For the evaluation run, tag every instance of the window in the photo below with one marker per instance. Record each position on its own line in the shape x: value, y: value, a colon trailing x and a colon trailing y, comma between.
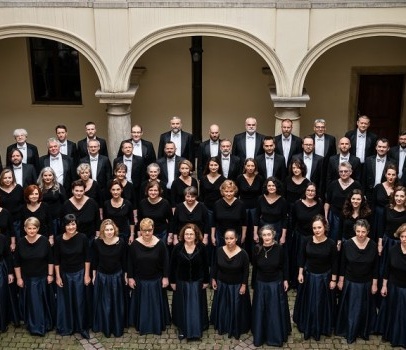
x: 55, y: 72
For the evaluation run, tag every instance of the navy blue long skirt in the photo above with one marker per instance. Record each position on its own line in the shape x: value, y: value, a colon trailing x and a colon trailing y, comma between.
x: 4, y: 297
x: 72, y: 303
x: 387, y: 244
x: 356, y: 311
x: 189, y: 308
x: 108, y: 304
x: 314, y: 311
x: 392, y: 316
x: 270, y: 314
x: 230, y: 311
x: 37, y: 305
x: 149, y: 308
x: 295, y: 248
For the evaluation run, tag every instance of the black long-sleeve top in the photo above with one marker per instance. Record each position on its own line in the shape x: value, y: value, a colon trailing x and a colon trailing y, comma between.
x: 319, y: 257
x: 232, y: 270
x: 380, y: 196
x: 392, y: 220
x: 359, y: 265
x: 6, y: 223
x: 177, y: 188
x: 143, y: 187
x: 346, y: 230
x: 43, y: 215
x: 395, y: 270
x: 13, y: 201
x: 55, y: 200
x: 72, y: 254
x: 249, y: 193
x: 109, y: 259
x: 269, y: 264
x: 272, y: 213
x: 210, y: 192
x: 147, y: 263
x: 336, y: 195
x: 95, y: 193
x: 128, y: 193
x: 87, y: 217
x: 189, y: 267
x: 122, y: 216
x: 160, y: 213
x: 227, y: 216
x: 33, y: 258
x: 293, y: 191
x: 302, y: 217
x: 5, y: 254
x: 198, y: 216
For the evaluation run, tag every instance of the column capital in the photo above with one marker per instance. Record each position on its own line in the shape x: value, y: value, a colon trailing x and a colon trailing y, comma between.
x: 125, y: 97
x: 289, y: 102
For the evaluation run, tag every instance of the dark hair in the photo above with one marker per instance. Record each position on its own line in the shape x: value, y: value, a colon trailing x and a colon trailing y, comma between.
x: 28, y: 192
x: 216, y: 160
x: 120, y: 166
x: 392, y: 196
x: 323, y: 220
x: 195, y: 228
x: 277, y: 184
x: 253, y: 161
x: 307, y: 186
x: 392, y: 166
x: 78, y: 183
x: 68, y: 218
x: 300, y: 164
x: 364, y: 209
x: 152, y: 184
x: 115, y: 182
x: 268, y: 138
x: 10, y: 154
x: 61, y: 126
x: 90, y: 123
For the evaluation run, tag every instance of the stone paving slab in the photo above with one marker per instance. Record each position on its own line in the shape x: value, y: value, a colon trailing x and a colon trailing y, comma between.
x: 19, y: 338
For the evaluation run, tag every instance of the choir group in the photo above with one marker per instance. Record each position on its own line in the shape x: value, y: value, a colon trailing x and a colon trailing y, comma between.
x: 89, y: 246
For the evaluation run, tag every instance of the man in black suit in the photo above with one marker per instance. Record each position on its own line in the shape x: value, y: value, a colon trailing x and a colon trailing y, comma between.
x: 270, y: 163
x: 231, y: 165
x: 207, y: 149
x: 286, y: 143
x: 183, y: 141
x: 24, y: 173
x: 91, y: 135
x: 169, y: 165
x: 344, y: 155
x: 314, y: 163
x: 29, y: 151
x: 363, y: 142
x: 67, y: 147
x: 398, y: 154
x: 248, y: 144
x: 141, y: 147
x: 99, y: 164
x: 136, y: 170
x: 61, y: 164
x: 375, y: 168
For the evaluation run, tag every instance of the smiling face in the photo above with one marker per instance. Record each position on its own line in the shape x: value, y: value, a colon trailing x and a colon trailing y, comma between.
x: 296, y: 170
x: 319, y: 230
x: 382, y: 148
x: 271, y: 187
x: 184, y: 170
x: 319, y: 129
x: 344, y: 173
x: 189, y: 235
x: 120, y: 174
x: 109, y: 232
x: 136, y: 133
x: 250, y: 167
x: 267, y: 237
x: 21, y: 138
x: 153, y: 192
x: 402, y: 238
x: 153, y: 173
x: 7, y: 179
x: 31, y: 230
x: 71, y: 227
x: 213, y: 167
x: 310, y: 192
x: 400, y: 198
x: 16, y: 158
x: 356, y: 201
x: 116, y: 191
x: 34, y: 196
x: 78, y: 192
x: 47, y: 177
x: 84, y: 174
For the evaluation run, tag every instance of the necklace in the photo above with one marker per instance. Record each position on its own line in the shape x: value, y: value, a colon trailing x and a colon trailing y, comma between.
x: 267, y: 250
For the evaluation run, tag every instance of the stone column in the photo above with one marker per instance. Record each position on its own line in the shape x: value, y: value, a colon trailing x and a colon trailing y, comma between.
x: 118, y: 115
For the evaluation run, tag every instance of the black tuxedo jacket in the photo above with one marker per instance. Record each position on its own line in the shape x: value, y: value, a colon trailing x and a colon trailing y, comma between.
x: 72, y: 152
x: 104, y: 171
x: 82, y: 148
x: 32, y: 155
x: 316, y: 174
x: 330, y: 147
x: 138, y: 174
x: 29, y: 174
x: 368, y: 182
x: 295, y: 147
x: 279, y: 167
x: 68, y: 169
x: 164, y: 168
x: 187, y: 145
x: 333, y: 164
x: 370, y: 142
x: 240, y: 147
x: 235, y: 167
x: 203, y: 155
x: 394, y: 154
x: 148, y: 152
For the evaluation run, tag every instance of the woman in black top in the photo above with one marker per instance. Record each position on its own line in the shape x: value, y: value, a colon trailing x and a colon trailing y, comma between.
x: 336, y: 194
x: 231, y: 307
x: 72, y: 270
x: 228, y: 213
x: 128, y: 193
x: 184, y: 180
x: 314, y: 306
x: 392, y: 315
x: 85, y: 209
x: 189, y: 278
x: 296, y: 182
x: 6, y: 278
x: 147, y: 272
x: 92, y: 189
x: 120, y: 211
x: 36, y: 208
x: 34, y: 271
x: 109, y: 279
x: 159, y: 210
x: 153, y: 171
x: 358, y: 281
x: 190, y: 211
x: 270, y: 310
x: 12, y: 198
x: 54, y: 195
